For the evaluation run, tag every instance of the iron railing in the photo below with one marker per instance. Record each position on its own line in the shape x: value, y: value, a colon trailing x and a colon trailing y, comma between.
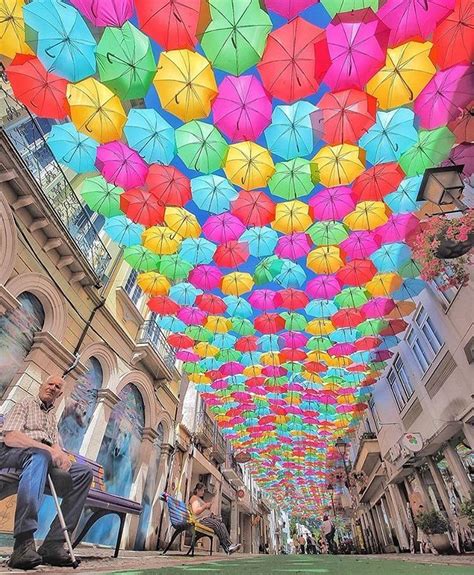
x: 151, y: 333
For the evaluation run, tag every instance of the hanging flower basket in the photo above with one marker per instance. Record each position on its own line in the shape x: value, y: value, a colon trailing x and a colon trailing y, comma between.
x: 444, y: 249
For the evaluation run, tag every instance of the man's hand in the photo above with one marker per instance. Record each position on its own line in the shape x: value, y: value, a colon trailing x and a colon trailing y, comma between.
x: 60, y: 459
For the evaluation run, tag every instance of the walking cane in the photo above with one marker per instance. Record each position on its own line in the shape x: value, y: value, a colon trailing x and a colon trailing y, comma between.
x: 75, y: 564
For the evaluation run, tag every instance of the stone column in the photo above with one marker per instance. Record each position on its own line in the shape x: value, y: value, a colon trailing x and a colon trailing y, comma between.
x: 420, y: 484
x: 441, y: 487
x: 234, y: 521
x: 106, y: 401
x: 458, y: 470
x: 157, y: 515
x: 395, y: 512
x: 399, y: 507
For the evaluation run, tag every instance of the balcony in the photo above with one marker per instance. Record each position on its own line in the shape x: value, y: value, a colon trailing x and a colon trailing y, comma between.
x: 219, y: 446
x: 368, y: 454
x: 233, y: 472
x: 41, y: 193
x: 155, y: 352
x: 205, y: 429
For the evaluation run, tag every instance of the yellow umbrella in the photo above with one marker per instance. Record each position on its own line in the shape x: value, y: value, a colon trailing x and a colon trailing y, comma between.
x: 161, y: 240
x: 407, y: 70
x: 292, y: 216
x: 252, y: 371
x: 248, y: 165
x: 320, y: 327
x: 218, y: 324
x: 316, y: 355
x: 153, y: 283
x: 270, y: 358
x: 185, y: 84
x: 342, y: 361
x: 325, y: 260
x: 237, y: 283
x: 199, y: 378
x: 95, y: 110
x: 182, y: 222
x: 313, y: 377
x: 384, y: 284
x: 12, y: 29
x: 205, y: 349
x: 339, y: 164
x: 367, y: 216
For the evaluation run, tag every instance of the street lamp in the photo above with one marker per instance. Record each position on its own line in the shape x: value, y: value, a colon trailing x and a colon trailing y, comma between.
x: 443, y: 186
x: 341, y: 447
x: 330, y: 488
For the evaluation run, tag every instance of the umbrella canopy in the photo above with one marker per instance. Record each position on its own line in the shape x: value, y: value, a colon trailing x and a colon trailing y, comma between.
x: 197, y: 251
x: 290, y: 217
x: 236, y: 283
x: 106, y: 12
x: 139, y: 258
x: 293, y: 246
x: 261, y: 241
x: 200, y: 146
x: 432, y: 147
x: 253, y: 208
x: 62, y: 41
x: 123, y: 231
x: 142, y: 207
x: 185, y: 84
x: 235, y: 37
x: 103, y: 198
x: 95, y: 110
x: 287, y: 67
x: 335, y: 6
x: 205, y: 277
x: 182, y: 222
x: 290, y: 133
x: 223, y: 228
x: 150, y: 135
x: 120, y: 165
x: 325, y: 260
x: 339, y: 164
x: 12, y: 28
x: 323, y: 287
x: 125, y: 61
x: 231, y: 254
x: 406, y: 72
x: 174, y: 268
x: 40, y: 90
x: 367, y: 216
x: 212, y: 194
x: 168, y: 185
x: 333, y: 203
x: 377, y: 182
x: 463, y: 126
x: 248, y: 165
x: 453, y: 38
x: 161, y: 240
x: 404, y: 198
x: 288, y: 8
x: 294, y: 179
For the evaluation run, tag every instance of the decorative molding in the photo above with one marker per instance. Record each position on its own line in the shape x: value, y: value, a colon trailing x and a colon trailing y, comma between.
x: 8, y: 240
x: 130, y: 312
x: 108, y: 397
x: 149, y: 434
x: 444, y: 369
x: 7, y: 301
x: 412, y: 413
x: 45, y: 344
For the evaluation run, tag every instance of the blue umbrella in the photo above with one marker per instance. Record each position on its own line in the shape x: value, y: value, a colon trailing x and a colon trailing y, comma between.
x: 60, y: 38
x: 391, y: 135
x: 150, y: 135
x: 389, y: 257
x: 224, y: 340
x: 409, y: 289
x: 72, y: 148
x: 250, y: 358
x: 360, y: 357
x: 197, y: 251
x: 291, y: 275
x: 123, y: 231
x: 344, y: 335
x: 184, y: 293
x: 403, y: 199
x: 212, y: 193
x: 209, y: 363
x: 269, y: 342
x: 261, y: 241
x: 171, y: 323
x: 389, y: 341
x: 238, y: 307
x: 290, y: 134
x: 321, y: 308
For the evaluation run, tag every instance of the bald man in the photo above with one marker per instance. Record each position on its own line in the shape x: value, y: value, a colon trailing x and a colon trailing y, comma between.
x: 30, y: 443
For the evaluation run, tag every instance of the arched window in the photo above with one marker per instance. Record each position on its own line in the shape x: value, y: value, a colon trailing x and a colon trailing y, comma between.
x: 17, y: 330
x: 80, y: 406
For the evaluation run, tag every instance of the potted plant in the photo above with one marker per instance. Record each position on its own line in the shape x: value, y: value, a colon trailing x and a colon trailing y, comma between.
x: 435, y: 527
x: 444, y: 239
x: 467, y: 510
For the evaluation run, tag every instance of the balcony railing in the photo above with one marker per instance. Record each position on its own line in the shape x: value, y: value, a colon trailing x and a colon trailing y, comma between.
x: 27, y: 141
x: 152, y: 334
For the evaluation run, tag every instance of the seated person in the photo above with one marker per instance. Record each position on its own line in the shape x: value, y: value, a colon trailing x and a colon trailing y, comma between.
x: 201, y: 510
x: 30, y: 444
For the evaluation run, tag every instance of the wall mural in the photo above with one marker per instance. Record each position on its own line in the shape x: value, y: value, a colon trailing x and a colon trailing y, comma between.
x: 17, y: 330
x: 80, y: 406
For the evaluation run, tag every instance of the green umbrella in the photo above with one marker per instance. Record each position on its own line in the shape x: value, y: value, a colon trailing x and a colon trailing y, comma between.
x: 236, y: 35
x: 328, y: 233
x: 335, y: 6
x: 294, y: 179
x: 125, y: 61
x: 372, y: 326
x: 267, y: 270
x: 294, y: 321
x: 199, y: 333
x: 432, y: 148
x: 410, y: 269
x: 191, y: 367
x: 319, y: 343
x: 227, y: 355
x: 201, y: 146
x: 351, y: 297
x: 102, y: 197
x: 174, y: 268
x: 141, y: 259
x: 242, y: 326
x: 293, y: 366
x: 377, y: 365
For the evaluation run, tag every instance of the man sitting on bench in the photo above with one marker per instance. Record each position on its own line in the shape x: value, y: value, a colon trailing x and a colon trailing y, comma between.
x: 30, y: 443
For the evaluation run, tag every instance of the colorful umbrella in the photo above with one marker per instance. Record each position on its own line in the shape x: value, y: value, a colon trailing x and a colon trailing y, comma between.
x: 168, y: 185
x: 253, y: 208
x: 292, y: 217
x: 432, y: 147
x: 237, y: 283
x: 212, y: 194
x: 248, y: 165
x: 231, y: 254
x: 325, y: 260
x: 261, y: 241
x: 288, y: 8
x: 463, y: 126
x: 182, y: 222
x: 123, y: 231
x: 106, y: 12
x: 333, y: 7
x: 141, y: 259
x: 453, y: 38
x: 174, y: 268
x: 161, y: 240
x: 223, y: 228
x: 197, y: 251
x: 332, y: 203
x: 200, y: 146
x: 339, y: 164
x: 328, y: 233
x: 205, y: 277
x: 242, y: 109
x: 293, y: 179
x: 150, y: 135
x: 360, y: 244
x: 102, y: 197
x: 12, y: 28
x: 290, y: 133
x: 142, y: 207
x: 323, y: 287
x: 185, y: 84
x: 376, y: 182
x: 367, y: 216
x: 153, y: 284
x: 120, y: 165
x: 72, y: 148
x: 404, y: 198
x: 293, y: 246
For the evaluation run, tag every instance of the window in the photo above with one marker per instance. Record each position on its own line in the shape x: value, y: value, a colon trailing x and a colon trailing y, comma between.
x: 400, y: 383
x: 132, y: 288
x: 374, y: 413
x: 424, y: 340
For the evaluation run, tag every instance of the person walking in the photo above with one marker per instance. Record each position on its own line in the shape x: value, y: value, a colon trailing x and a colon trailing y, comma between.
x: 302, y: 544
x: 30, y: 443
x: 329, y: 531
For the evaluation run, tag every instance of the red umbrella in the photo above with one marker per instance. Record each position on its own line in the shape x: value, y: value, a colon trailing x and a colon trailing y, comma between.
x: 171, y: 24
x: 253, y: 208
x: 163, y: 305
x: 453, y: 38
x: 463, y: 126
x: 347, y: 115
x: 357, y: 272
x: 269, y: 323
x: 211, y: 303
x: 246, y: 343
x: 395, y: 326
x: 348, y: 317
x: 180, y: 340
x: 291, y: 299
x: 41, y: 91
x: 376, y: 182
x: 287, y: 67
x: 231, y: 254
x: 290, y: 354
x: 365, y: 344
x: 168, y: 185
x: 142, y: 207
x: 315, y: 367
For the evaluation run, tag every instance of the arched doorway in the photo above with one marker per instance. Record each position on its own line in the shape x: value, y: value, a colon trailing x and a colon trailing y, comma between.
x: 17, y: 330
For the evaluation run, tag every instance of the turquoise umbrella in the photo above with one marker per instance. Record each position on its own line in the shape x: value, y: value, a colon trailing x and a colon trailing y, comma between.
x: 184, y: 293
x: 410, y: 288
x: 123, y: 231
x: 404, y: 198
x: 321, y: 308
x: 72, y: 148
x: 269, y: 342
x: 261, y: 241
x: 197, y: 251
x: 290, y: 134
x: 150, y: 135
x: 224, y: 340
x: 291, y: 275
x: 171, y: 323
x: 238, y: 307
x: 390, y: 257
x: 212, y: 194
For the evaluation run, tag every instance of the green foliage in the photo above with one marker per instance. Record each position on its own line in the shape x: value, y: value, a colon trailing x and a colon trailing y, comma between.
x: 432, y: 522
x: 467, y: 509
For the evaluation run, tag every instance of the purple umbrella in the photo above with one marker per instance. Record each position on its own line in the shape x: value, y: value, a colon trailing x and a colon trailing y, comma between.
x: 462, y: 155
x: 105, y: 12
x: 120, y: 165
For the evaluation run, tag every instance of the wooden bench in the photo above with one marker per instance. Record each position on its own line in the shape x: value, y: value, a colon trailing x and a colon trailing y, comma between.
x: 182, y: 519
x: 98, y: 500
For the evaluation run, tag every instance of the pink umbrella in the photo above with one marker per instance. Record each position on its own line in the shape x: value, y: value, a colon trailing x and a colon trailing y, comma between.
x: 340, y: 349
x: 262, y: 299
x: 293, y: 246
x: 205, y: 277
x: 462, y: 155
x: 243, y: 109
x: 288, y: 8
x: 274, y: 371
x: 323, y: 287
x: 293, y: 339
x: 120, y: 165
x: 231, y: 368
x: 223, y: 228
x: 185, y: 355
x: 192, y: 315
x: 356, y: 44
x: 413, y: 19
x: 332, y: 203
x: 219, y: 384
x: 378, y: 307
x: 345, y: 408
x: 105, y: 12
x: 399, y: 228
x: 360, y: 245
x: 446, y: 93
x: 382, y: 355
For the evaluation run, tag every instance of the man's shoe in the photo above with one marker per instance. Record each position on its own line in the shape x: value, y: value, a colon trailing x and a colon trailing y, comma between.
x: 55, y: 554
x: 233, y: 548
x: 25, y: 556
